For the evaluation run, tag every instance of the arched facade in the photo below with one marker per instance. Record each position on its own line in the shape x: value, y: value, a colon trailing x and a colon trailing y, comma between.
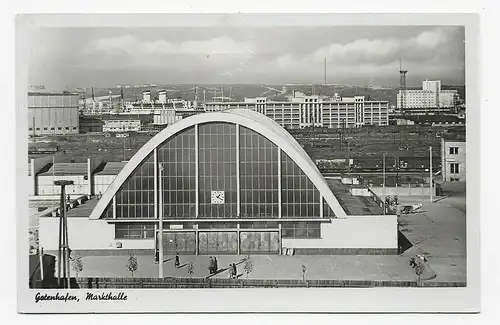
x: 232, y: 181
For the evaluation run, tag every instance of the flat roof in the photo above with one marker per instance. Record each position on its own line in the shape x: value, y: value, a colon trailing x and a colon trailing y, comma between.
x: 353, y: 205
x: 129, y: 117
x: 52, y: 94
x: 83, y: 210
x: 458, y: 137
x: 61, y: 169
x: 111, y: 168
x: 35, y: 204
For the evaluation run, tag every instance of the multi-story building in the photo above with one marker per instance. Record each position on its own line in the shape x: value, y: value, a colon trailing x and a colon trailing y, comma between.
x: 453, y: 157
x: 430, y: 96
x: 53, y: 113
x: 146, y: 96
x: 314, y: 111
x: 162, y: 96
x: 121, y: 123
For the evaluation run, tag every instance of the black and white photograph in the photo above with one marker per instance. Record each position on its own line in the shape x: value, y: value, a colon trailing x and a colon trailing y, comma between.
x: 246, y: 151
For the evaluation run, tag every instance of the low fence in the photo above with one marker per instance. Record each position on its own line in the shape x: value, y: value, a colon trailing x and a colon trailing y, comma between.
x: 170, y: 283
x: 401, y: 190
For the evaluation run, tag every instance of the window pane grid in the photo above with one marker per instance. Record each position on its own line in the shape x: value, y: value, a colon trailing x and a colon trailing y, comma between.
x: 177, y: 155
x: 301, y: 230
x: 217, y: 169
x: 300, y: 198
x: 135, y: 198
x: 134, y: 231
x: 258, y: 175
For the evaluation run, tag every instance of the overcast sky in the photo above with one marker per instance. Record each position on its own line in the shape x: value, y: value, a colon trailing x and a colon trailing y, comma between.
x: 105, y: 57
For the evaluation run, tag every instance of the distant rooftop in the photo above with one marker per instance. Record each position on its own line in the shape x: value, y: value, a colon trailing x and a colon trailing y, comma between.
x: 130, y: 117
x: 62, y: 169
x: 353, y: 205
x: 47, y: 93
x: 111, y: 168
x: 458, y: 137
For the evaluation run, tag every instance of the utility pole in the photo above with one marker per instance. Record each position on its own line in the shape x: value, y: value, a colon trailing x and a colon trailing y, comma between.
x: 63, y: 251
x: 430, y: 174
x: 160, y: 225
x: 34, y: 132
x: 383, y: 173
x: 396, y: 162
x: 325, y: 71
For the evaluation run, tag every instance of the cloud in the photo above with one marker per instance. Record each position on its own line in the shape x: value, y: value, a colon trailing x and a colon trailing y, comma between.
x: 134, y: 47
x: 424, y: 46
x: 431, y: 50
x: 250, y: 55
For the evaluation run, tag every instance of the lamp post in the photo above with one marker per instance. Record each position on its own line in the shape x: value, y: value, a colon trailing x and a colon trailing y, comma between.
x: 160, y: 221
x: 63, y: 250
x: 383, y: 182
x: 430, y: 174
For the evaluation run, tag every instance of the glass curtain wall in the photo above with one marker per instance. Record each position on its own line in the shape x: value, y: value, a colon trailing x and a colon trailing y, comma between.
x: 177, y: 155
x: 300, y: 198
x: 217, y: 170
x: 135, y: 199
x: 258, y: 175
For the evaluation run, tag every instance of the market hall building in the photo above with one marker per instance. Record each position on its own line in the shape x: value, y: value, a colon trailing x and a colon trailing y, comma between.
x: 232, y: 182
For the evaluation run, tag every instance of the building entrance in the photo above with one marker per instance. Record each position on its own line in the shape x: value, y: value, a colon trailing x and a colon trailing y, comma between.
x: 221, y: 242
x: 182, y: 243
x: 259, y: 242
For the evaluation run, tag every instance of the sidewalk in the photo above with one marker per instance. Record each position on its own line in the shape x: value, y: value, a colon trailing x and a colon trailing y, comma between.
x: 439, y: 233
x: 346, y: 267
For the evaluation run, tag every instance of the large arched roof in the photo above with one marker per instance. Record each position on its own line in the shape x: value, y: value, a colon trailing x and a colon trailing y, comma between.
x: 244, y: 117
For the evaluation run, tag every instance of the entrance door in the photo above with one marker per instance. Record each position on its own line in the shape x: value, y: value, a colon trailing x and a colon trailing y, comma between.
x: 182, y: 243
x: 217, y: 242
x: 260, y: 242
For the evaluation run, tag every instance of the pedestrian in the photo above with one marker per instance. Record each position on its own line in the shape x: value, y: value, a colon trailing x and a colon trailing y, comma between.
x: 230, y: 271
x: 396, y: 201
x: 157, y: 256
x: 215, y: 265
x: 235, y: 271
x: 211, y: 265
x: 177, y: 261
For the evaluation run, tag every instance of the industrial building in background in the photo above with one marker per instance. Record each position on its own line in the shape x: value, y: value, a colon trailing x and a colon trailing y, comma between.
x: 453, y: 159
x: 431, y: 96
x: 314, y: 111
x: 53, y: 113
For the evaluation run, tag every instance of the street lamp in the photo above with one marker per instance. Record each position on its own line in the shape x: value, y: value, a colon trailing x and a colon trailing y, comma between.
x: 430, y: 174
x: 63, y: 250
x: 160, y: 217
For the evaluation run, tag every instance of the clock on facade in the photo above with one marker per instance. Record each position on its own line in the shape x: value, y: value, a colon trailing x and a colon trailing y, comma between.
x: 217, y: 197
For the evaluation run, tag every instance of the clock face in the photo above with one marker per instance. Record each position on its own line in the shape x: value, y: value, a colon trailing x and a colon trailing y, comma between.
x: 217, y: 197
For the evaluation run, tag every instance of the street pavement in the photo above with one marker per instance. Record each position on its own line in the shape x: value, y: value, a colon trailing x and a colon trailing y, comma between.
x: 439, y: 233
x: 318, y: 267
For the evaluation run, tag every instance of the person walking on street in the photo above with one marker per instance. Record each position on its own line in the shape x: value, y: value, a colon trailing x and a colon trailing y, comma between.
x: 215, y: 265
x: 177, y: 261
x: 235, y: 271
x: 211, y: 265
x: 230, y: 271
